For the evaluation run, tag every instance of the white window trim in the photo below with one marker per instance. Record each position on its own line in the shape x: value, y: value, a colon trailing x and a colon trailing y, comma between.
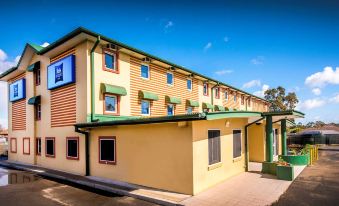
x: 191, y: 84
x: 148, y: 72
x: 149, y: 107
x: 116, y: 103
x: 203, y: 89
x: 217, y: 93
x: 115, y: 59
x: 173, y: 107
x: 241, y: 141
x: 115, y: 146
x: 171, y: 85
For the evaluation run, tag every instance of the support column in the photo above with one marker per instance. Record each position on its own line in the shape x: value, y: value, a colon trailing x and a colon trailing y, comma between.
x: 269, y: 139
x: 283, y: 137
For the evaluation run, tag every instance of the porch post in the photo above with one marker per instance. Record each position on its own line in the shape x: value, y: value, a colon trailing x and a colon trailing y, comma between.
x: 269, y: 139
x: 283, y: 137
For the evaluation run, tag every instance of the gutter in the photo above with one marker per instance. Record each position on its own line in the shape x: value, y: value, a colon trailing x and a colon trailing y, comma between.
x: 86, y: 133
x: 92, y: 80
x: 246, y: 142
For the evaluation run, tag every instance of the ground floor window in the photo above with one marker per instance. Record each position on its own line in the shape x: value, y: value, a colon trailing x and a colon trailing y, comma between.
x: 107, y: 150
x: 13, y: 145
x: 214, y: 153
x: 50, y: 147
x: 170, y: 110
x: 145, y: 107
x: 38, y: 145
x: 236, y: 143
x: 26, y: 146
x: 37, y: 112
x: 72, y: 148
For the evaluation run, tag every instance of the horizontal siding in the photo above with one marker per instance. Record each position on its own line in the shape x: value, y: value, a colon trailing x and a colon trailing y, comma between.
x: 19, y: 115
x: 62, y: 55
x: 158, y: 85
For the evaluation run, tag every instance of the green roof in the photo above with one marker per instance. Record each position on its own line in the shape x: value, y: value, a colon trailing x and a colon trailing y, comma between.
x: 219, y: 108
x: 233, y: 114
x: 173, y: 100
x: 33, y: 67
x: 192, y: 103
x: 37, y: 48
x: 148, y: 95
x: 107, y: 88
x: 207, y: 106
x: 285, y: 113
x: 34, y: 100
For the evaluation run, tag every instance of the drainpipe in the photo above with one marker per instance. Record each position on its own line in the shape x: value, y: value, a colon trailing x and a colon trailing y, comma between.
x: 246, y: 142
x: 92, y: 80
x: 86, y: 133
x: 212, y: 93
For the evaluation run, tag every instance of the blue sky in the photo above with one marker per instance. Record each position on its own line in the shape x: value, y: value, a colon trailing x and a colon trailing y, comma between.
x: 262, y: 43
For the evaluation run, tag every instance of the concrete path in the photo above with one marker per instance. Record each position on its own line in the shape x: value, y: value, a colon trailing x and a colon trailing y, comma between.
x: 318, y: 184
x: 247, y: 189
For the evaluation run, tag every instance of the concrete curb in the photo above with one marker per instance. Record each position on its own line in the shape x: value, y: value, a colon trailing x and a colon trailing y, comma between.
x: 96, y: 186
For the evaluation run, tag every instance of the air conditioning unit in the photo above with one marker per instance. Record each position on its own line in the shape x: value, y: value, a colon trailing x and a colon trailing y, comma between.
x: 111, y: 46
x: 147, y: 60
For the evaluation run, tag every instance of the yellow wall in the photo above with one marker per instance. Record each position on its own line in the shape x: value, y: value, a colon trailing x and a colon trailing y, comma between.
x: 256, y: 142
x: 157, y: 155
x: 203, y: 175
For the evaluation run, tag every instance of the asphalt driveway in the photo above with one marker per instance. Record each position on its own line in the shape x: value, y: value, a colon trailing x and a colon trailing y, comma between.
x: 317, y: 184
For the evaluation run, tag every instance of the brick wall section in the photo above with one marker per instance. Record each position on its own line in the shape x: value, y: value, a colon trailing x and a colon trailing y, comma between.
x: 157, y: 84
x: 18, y: 109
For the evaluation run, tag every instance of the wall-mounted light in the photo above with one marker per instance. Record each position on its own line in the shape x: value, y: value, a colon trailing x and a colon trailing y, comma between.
x: 227, y: 123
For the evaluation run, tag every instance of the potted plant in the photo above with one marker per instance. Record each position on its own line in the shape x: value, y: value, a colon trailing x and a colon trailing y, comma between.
x: 285, y: 170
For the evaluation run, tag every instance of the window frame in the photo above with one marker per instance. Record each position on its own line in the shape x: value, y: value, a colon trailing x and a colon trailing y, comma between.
x: 107, y: 162
x: 237, y: 129
x: 117, y: 108
x: 235, y: 99
x: 16, y: 144
x: 23, y: 146
x: 249, y: 102
x: 189, y: 79
x: 173, y: 109
x: 149, y: 107
x: 217, y: 92
x: 78, y: 152
x: 226, y: 95
x: 171, y: 73
x: 220, y: 156
x: 242, y: 99
x: 48, y: 155
x: 37, y: 111
x: 203, y: 89
x: 113, y: 53
x: 37, y: 77
x: 37, y: 139
x: 148, y: 73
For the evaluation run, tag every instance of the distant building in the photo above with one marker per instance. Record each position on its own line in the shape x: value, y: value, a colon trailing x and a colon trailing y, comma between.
x: 314, y: 136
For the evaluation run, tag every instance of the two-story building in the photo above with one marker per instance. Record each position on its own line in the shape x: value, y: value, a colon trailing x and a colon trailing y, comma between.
x: 90, y: 105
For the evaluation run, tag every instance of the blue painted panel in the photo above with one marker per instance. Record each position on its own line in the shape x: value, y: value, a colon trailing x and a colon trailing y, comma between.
x: 61, y: 72
x: 17, y: 90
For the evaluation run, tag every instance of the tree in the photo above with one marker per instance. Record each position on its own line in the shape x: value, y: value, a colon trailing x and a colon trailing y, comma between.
x: 279, y: 100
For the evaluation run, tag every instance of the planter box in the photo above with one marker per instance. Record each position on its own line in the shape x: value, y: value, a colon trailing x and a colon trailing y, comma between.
x: 269, y: 168
x: 285, y: 172
x: 296, y: 159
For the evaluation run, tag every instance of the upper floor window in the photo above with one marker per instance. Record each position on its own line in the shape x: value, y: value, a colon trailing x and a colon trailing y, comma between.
x: 189, y: 84
x: 242, y: 100
x: 37, y: 77
x: 111, y: 104
x: 169, y: 78
x: 170, y: 110
x: 217, y: 92
x: 226, y: 95
x: 110, y: 61
x: 145, y: 107
x: 205, y: 89
x: 249, y: 102
x: 235, y: 98
x: 37, y: 111
x: 145, y: 71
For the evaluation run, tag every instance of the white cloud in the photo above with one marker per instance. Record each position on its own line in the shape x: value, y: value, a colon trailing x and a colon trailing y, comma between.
x: 311, y: 104
x: 258, y: 60
x: 335, y: 99
x: 253, y: 83
x: 208, y: 46
x: 226, y: 39
x: 5, y: 63
x: 321, y: 79
x: 169, y: 24
x: 223, y: 72
x: 261, y: 93
x: 45, y: 44
x: 316, y: 91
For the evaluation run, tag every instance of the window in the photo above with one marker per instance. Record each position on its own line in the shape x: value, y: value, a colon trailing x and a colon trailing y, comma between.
x: 38, y: 146
x: 205, y: 89
x: 110, y: 62
x: 26, y: 147
x: 145, y: 71
x: 13, y: 145
x: 170, y: 110
x: 145, y: 107
x: 37, y: 110
x: 217, y: 92
x: 189, y: 84
x: 249, y: 102
x: 72, y: 148
x: 214, y: 155
x: 107, y: 150
x: 50, y: 147
x: 236, y: 143
x: 235, y: 98
x: 189, y: 110
x: 169, y: 78
x: 37, y: 77
x: 242, y: 100
x: 111, y: 104
x: 226, y: 95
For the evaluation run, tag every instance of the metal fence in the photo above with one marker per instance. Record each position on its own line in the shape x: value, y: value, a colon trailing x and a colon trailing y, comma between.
x: 312, y: 139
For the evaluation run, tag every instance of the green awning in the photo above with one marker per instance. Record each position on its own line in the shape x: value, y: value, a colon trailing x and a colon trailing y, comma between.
x: 219, y: 108
x: 192, y: 103
x: 34, y: 67
x: 207, y: 106
x: 173, y: 100
x: 107, y: 88
x: 148, y: 95
x: 34, y: 100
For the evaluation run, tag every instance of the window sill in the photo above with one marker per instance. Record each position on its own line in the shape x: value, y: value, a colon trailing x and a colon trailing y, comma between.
x: 214, y: 166
x: 237, y: 159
